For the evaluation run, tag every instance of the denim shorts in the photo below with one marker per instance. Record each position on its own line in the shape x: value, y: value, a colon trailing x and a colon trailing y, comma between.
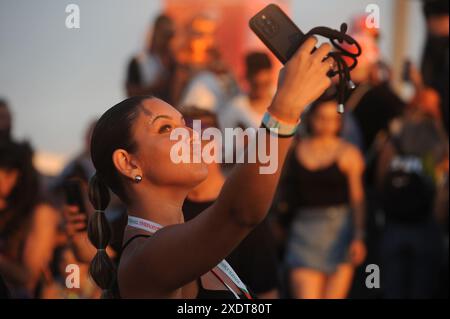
x: 319, y: 238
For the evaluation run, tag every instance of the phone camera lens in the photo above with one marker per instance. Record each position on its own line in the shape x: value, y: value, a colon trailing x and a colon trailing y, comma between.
x: 268, y: 25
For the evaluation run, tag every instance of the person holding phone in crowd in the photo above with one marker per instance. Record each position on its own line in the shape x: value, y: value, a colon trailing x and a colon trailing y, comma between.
x: 163, y: 256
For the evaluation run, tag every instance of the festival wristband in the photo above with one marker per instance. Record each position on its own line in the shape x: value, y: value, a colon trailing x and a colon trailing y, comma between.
x: 279, y: 127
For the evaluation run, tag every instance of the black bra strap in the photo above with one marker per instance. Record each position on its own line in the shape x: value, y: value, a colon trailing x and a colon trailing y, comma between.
x: 132, y: 238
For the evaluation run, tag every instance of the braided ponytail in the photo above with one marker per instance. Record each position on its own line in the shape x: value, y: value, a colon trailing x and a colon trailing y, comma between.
x: 101, y: 269
x: 113, y: 131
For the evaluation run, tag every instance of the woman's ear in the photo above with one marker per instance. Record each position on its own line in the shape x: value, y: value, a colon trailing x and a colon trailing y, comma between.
x: 126, y: 164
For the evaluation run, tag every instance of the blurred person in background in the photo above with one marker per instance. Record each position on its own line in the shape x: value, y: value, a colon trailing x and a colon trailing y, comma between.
x: 203, y: 79
x: 323, y: 189
x: 255, y: 257
x: 5, y: 122
x: 152, y: 71
x: 373, y: 103
x: 367, y: 75
x: 28, y: 225
x: 425, y: 97
x: 80, y: 170
x: 435, y: 60
x: 411, y: 172
x: 247, y: 110
x: 193, y: 44
x: 57, y: 287
x: 427, y: 101
x: 80, y: 166
x: 198, y: 39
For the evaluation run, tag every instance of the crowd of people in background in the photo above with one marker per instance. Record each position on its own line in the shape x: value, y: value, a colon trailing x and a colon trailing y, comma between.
x: 366, y: 187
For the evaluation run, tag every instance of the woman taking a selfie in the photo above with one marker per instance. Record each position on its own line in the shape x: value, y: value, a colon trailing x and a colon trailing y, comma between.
x: 164, y: 257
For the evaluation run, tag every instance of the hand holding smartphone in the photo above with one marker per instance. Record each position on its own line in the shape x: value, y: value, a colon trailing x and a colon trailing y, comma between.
x: 74, y: 198
x: 302, y: 81
x: 277, y: 31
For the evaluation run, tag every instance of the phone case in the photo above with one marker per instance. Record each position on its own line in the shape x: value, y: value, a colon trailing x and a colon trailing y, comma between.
x: 74, y: 195
x: 277, y: 31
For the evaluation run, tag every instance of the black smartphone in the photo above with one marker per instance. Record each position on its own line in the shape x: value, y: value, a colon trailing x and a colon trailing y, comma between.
x: 277, y: 31
x: 74, y: 194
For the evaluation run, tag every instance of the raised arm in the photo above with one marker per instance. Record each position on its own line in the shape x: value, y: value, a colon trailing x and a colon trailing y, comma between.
x: 177, y: 255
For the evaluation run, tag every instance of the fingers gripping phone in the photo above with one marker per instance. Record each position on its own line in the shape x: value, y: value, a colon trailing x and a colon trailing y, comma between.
x: 277, y: 31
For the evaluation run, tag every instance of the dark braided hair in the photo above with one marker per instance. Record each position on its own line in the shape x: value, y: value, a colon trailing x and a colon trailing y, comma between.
x: 113, y: 131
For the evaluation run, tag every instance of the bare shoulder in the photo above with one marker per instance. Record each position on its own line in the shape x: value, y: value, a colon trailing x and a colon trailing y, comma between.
x: 351, y: 150
x: 135, y: 272
x: 350, y: 157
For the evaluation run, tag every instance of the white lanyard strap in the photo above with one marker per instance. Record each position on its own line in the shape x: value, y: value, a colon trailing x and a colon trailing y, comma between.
x: 224, y: 266
x: 228, y: 287
x: 143, y: 224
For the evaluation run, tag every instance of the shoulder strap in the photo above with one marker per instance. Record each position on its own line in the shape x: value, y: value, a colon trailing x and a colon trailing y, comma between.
x: 132, y: 238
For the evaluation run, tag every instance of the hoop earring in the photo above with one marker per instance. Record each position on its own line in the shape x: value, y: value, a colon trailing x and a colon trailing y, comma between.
x: 138, y: 179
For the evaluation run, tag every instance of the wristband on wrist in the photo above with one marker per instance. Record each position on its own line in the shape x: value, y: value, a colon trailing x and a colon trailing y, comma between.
x: 279, y: 127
